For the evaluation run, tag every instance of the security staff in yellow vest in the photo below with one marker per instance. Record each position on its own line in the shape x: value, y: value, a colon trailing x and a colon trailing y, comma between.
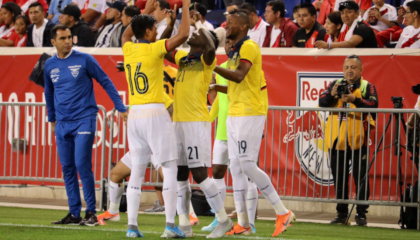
x: 349, y: 141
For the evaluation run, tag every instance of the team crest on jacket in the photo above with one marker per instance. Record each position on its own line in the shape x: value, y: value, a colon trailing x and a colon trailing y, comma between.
x: 75, y: 70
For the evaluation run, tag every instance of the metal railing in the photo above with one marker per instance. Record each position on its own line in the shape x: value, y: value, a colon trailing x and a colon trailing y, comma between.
x: 29, y: 153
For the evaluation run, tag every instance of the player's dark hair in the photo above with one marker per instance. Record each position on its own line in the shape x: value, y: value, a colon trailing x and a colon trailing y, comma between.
x: 277, y: 6
x: 25, y: 19
x: 353, y: 56
x: 243, y: 15
x: 200, y: 8
x: 216, y: 39
x: 335, y: 17
x: 249, y: 7
x: 140, y: 23
x: 163, y: 4
x: 36, y: 4
x: 414, y: 6
x: 296, y: 8
x: 311, y: 9
x: 131, y: 11
x: 13, y: 8
x: 56, y: 28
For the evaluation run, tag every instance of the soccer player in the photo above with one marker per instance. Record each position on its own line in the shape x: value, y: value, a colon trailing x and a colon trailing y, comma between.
x: 72, y: 112
x: 193, y: 127
x: 149, y: 126
x: 245, y: 122
x: 220, y: 151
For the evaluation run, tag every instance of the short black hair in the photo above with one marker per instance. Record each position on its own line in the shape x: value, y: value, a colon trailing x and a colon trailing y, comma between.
x: 13, y: 8
x: 140, y: 23
x: 242, y: 14
x: 335, y: 17
x: 353, y: 56
x: 414, y: 6
x: 216, y: 39
x: 36, y: 4
x: 25, y: 19
x: 277, y: 6
x: 311, y: 9
x: 131, y: 10
x: 296, y: 8
x: 200, y: 8
x: 249, y: 7
x: 57, y: 27
x: 163, y: 4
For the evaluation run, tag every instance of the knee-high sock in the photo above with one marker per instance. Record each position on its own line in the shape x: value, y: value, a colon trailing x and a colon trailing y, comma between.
x: 261, y: 179
x: 192, y: 210
x: 169, y: 192
x: 240, y: 189
x: 252, y: 201
x: 184, y: 199
x: 134, y: 192
x: 213, y: 198
x: 116, y: 190
x: 221, y: 186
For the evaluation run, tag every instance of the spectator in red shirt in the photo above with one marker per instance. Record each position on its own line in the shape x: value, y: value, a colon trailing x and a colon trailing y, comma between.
x: 8, y: 12
x: 333, y: 26
x: 19, y: 37
x: 282, y: 29
x: 324, y: 7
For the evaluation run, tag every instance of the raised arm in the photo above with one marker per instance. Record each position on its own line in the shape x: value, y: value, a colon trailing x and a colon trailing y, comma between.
x: 209, y: 48
x: 170, y: 22
x: 184, y: 29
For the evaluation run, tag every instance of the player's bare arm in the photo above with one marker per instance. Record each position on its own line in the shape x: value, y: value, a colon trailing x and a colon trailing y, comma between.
x: 219, y: 88
x: 184, y: 29
x: 170, y: 22
x: 234, y: 75
x: 209, y: 53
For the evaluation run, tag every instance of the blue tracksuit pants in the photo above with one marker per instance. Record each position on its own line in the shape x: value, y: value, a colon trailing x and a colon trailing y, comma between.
x: 74, y: 144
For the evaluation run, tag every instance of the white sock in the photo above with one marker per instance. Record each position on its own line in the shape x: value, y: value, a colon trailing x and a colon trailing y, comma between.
x: 240, y: 189
x: 221, y: 186
x: 261, y: 179
x: 213, y: 198
x: 252, y: 201
x: 169, y: 191
x: 115, y: 190
x: 134, y: 192
x: 184, y: 199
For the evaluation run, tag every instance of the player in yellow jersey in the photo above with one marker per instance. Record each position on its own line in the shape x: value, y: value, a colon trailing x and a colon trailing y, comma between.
x: 149, y: 126
x: 245, y: 122
x: 193, y: 128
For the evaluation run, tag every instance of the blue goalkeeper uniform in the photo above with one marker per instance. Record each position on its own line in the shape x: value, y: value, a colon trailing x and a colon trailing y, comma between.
x: 71, y: 103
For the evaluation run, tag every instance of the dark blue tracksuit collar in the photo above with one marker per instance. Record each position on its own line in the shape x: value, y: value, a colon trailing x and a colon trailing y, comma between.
x: 237, y: 47
x: 142, y: 41
x: 192, y: 57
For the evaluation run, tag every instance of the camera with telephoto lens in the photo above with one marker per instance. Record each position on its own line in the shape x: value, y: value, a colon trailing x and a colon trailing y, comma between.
x: 342, y: 88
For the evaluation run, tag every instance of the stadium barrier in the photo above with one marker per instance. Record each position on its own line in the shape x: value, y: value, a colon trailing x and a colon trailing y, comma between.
x: 295, y: 155
x: 29, y: 151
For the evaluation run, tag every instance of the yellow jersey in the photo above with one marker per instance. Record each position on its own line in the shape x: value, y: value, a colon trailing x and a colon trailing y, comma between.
x: 245, y: 97
x: 143, y: 63
x: 168, y: 101
x: 191, y: 86
x: 264, y: 93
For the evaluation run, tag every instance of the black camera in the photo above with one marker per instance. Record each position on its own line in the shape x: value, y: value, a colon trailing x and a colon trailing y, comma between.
x: 416, y: 89
x: 342, y: 88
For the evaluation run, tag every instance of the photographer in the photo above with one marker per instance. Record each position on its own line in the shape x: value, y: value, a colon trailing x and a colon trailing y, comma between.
x: 351, y: 92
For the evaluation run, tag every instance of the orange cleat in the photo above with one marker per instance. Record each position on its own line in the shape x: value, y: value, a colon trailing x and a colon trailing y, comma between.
x: 108, y: 216
x: 282, y: 222
x: 239, y: 230
x: 194, y: 220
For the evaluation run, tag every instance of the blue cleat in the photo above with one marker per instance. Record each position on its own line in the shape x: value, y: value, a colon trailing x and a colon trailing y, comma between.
x: 210, y: 227
x: 173, y: 233
x: 134, y: 234
x: 253, y: 228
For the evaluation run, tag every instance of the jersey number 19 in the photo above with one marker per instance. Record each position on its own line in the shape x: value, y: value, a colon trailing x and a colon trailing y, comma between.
x: 136, y: 77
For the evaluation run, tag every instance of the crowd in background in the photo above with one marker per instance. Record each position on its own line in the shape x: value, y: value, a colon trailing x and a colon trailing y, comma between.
x: 322, y: 24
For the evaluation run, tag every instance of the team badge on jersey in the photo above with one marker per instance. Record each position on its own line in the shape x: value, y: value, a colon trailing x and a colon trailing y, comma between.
x: 54, y: 74
x: 75, y: 70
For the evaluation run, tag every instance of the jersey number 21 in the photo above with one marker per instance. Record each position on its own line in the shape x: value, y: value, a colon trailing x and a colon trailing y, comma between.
x: 137, y: 76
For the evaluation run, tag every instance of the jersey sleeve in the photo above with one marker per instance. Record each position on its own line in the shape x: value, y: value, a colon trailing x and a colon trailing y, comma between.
x: 212, y: 66
x: 127, y: 48
x: 178, y: 54
x: 248, y: 53
x: 168, y: 100
x: 160, y: 48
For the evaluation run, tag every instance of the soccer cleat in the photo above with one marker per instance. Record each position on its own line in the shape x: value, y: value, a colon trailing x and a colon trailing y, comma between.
x: 210, y: 227
x: 156, y: 208
x: 221, y: 229
x: 253, y: 228
x: 90, y: 220
x: 194, y: 220
x: 134, y: 234
x: 108, y: 216
x: 341, y: 219
x: 233, y: 215
x: 69, y: 220
x: 239, y: 230
x: 283, y: 222
x: 361, y: 219
x: 173, y: 233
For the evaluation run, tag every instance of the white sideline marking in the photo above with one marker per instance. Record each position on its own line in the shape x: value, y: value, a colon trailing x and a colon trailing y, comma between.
x: 119, y: 230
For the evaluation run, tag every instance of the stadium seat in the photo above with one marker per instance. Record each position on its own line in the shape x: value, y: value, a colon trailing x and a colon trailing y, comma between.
x: 216, y: 17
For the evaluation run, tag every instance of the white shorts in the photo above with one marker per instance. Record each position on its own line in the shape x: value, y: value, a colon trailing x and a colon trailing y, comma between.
x: 194, y: 143
x: 220, y: 152
x: 126, y: 159
x: 244, y: 137
x: 150, y: 130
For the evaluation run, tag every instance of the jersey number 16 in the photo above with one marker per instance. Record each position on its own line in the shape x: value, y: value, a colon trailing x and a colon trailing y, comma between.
x: 136, y: 77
